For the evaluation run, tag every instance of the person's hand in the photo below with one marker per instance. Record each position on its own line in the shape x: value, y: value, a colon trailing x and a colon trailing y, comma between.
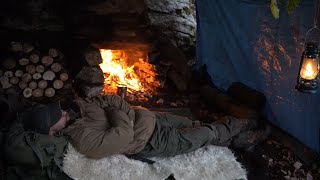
x: 60, y: 124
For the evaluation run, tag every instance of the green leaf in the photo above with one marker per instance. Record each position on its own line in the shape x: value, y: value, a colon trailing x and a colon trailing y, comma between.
x: 291, y: 5
x: 274, y: 9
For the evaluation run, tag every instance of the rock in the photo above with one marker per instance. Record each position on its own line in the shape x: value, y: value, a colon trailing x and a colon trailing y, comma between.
x: 118, y: 6
x: 309, y: 176
x: 92, y: 91
x: 173, y: 104
x: 91, y: 75
x: 179, y: 80
x: 297, y: 165
x: 27, y: 48
x: 160, y: 101
x: 16, y: 46
x: 176, y: 19
x: 93, y: 57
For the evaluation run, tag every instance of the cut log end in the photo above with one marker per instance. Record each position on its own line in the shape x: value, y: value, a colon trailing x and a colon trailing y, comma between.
x: 37, y: 92
x: 49, y: 92
x: 42, y: 84
x: 31, y: 69
x: 53, y: 52
x: 27, y: 92
x: 33, y: 85
x: 14, y: 80
x: 64, y: 76
x: 56, y: 67
x: 58, y: 84
x: 47, y: 60
x: 49, y: 75
x: 34, y: 58
x: 23, y: 61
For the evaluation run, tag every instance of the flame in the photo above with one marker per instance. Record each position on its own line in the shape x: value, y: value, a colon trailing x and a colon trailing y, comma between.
x: 138, y: 77
x: 309, y: 70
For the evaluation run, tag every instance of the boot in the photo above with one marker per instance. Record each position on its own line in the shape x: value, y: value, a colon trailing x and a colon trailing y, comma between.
x: 229, y: 127
x: 247, y: 140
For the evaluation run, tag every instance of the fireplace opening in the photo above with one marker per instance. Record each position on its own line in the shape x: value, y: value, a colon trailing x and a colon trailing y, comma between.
x: 130, y: 69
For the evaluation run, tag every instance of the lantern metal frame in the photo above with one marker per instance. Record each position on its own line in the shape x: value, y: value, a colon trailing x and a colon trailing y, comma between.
x: 311, y: 51
x: 308, y: 85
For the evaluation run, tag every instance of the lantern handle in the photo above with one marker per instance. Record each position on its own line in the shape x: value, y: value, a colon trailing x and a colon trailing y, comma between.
x: 314, y: 27
x: 315, y: 21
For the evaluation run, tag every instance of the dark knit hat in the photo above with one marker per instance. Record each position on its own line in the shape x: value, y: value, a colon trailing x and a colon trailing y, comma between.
x: 41, y: 117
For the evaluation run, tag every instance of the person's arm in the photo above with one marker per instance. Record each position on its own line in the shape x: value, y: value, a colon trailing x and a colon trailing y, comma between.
x: 116, y: 102
x: 96, y: 143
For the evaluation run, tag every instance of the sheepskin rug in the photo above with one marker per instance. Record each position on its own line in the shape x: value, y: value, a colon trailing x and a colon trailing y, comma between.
x: 208, y: 163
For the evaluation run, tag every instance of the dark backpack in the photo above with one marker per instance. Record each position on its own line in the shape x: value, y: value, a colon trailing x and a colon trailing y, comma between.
x: 33, y: 155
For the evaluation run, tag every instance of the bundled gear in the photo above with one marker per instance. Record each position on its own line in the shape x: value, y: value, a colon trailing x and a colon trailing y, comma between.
x: 31, y: 153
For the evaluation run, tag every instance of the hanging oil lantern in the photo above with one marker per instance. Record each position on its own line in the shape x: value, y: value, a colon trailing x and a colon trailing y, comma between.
x: 309, y: 69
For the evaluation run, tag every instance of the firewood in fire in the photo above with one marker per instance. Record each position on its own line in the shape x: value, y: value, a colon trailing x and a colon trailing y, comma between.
x: 49, y: 75
x: 9, y: 74
x: 30, y: 69
x: 23, y: 61
x: 56, y: 67
x: 36, y: 76
x: 26, y: 77
x: 4, y: 80
x: 27, y: 92
x: 64, y: 76
x: 58, y: 84
x: 9, y: 63
x: 33, y: 85
x: 18, y: 73
x: 14, y: 80
x: 42, y: 84
x: 49, y: 92
x: 23, y: 85
x: 40, y: 68
x: 47, y: 60
x: 53, y: 52
x: 37, y: 92
x: 34, y: 58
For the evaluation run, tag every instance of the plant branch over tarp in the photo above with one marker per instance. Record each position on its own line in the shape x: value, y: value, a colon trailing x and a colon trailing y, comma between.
x: 291, y: 5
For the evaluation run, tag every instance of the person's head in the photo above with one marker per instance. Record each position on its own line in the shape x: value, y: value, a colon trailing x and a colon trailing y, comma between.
x: 60, y: 124
x: 43, y: 118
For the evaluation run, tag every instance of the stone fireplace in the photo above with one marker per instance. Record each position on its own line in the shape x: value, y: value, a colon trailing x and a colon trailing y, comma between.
x: 156, y: 39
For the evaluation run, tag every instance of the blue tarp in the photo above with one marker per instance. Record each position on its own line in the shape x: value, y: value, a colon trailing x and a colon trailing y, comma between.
x: 239, y: 40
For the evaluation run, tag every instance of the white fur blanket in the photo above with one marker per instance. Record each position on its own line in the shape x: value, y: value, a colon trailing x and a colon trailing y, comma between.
x: 209, y: 163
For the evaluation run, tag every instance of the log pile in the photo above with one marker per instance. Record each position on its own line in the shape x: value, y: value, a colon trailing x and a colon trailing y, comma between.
x: 37, y: 74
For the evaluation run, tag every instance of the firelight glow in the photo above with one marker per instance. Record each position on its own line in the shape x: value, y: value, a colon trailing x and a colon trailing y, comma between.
x: 117, y: 72
x: 309, y: 69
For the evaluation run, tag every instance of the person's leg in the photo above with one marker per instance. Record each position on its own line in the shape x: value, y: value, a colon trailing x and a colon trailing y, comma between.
x: 171, y: 120
x: 170, y: 141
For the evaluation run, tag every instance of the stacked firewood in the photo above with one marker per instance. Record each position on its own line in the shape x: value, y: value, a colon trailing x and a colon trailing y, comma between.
x: 36, y: 73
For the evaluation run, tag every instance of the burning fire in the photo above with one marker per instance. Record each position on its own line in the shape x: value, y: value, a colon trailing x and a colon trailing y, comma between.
x: 138, y: 77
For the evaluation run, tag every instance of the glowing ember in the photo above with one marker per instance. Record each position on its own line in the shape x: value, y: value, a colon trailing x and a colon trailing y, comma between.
x: 138, y: 77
